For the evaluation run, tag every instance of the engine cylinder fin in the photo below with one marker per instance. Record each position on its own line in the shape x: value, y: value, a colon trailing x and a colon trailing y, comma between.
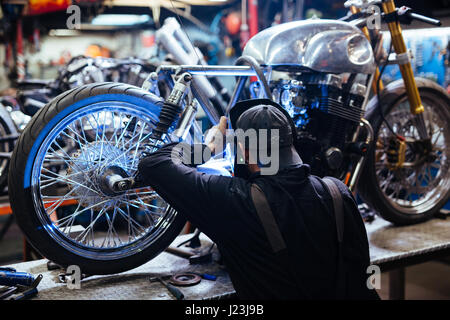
x: 335, y: 107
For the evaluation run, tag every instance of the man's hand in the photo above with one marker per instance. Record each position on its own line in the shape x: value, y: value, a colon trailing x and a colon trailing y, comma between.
x: 216, y: 136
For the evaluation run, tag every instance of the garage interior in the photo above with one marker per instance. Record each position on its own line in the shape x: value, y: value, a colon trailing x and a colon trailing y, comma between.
x: 49, y: 47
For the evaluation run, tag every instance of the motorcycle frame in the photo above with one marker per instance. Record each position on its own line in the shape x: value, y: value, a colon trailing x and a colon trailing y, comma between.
x: 202, y: 71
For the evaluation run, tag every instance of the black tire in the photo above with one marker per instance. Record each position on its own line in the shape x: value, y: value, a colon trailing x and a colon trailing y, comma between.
x: 368, y: 186
x: 21, y: 197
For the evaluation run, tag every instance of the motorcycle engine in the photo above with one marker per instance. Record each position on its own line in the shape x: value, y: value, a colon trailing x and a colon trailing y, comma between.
x: 326, y: 112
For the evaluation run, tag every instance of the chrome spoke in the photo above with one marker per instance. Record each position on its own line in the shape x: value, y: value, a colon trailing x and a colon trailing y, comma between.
x: 417, y: 184
x: 74, y: 160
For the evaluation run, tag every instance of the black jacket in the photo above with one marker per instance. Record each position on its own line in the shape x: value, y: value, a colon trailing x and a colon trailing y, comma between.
x: 223, y: 209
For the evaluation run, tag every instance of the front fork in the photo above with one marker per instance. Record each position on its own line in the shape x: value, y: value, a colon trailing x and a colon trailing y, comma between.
x: 412, y: 91
x: 406, y: 70
x: 171, y: 111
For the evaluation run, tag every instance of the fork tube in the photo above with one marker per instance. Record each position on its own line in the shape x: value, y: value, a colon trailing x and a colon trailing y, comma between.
x: 400, y: 48
x: 355, y: 10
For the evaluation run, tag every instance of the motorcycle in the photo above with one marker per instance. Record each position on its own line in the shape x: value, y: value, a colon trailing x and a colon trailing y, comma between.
x: 33, y: 94
x: 392, y: 146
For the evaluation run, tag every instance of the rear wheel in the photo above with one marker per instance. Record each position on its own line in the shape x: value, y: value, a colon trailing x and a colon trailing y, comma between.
x: 417, y: 189
x: 60, y: 180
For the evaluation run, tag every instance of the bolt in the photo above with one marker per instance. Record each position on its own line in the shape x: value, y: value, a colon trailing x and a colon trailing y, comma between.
x: 188, y: 77
x: 122, y: 185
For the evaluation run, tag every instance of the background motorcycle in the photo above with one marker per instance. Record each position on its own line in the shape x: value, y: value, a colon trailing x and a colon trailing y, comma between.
x: 34, y: 94
x: 110, y: 125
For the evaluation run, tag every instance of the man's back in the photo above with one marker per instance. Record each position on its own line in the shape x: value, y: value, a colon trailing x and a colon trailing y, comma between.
x: 222, y: 208
x: 303, y: 210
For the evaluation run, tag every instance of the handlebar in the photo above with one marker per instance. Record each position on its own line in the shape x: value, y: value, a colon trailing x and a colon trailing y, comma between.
x: 404, y: 15
x: 425, y: 19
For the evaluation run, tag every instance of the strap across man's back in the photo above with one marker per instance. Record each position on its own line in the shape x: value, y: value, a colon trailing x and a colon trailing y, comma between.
x: 276, y: 239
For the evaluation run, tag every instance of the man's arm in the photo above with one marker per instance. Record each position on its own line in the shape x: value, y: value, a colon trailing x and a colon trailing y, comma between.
x: 204, y: 199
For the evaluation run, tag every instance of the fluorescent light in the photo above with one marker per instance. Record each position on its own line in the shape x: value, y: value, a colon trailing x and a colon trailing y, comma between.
x: 120, y: 19
x: 63, y: 33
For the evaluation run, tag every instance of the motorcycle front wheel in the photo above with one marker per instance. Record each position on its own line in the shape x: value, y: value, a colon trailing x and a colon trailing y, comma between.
x: 414, y: 191
x: 59, y: 173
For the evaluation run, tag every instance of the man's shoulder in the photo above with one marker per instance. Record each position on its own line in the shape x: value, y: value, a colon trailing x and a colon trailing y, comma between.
x: 240, y: 187
x: 341, y: 185
x: 343, y: 188
x: 230, y: 186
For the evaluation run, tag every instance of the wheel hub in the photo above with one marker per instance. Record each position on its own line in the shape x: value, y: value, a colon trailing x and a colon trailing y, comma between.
x: 107, y: 179
x: 94, y: 171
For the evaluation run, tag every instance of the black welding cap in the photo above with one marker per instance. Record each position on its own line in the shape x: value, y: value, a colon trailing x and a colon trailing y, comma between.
x: 266, y: 114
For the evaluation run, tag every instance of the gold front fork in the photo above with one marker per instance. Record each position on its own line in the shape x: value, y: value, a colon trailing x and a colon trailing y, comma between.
x: 398, y: 42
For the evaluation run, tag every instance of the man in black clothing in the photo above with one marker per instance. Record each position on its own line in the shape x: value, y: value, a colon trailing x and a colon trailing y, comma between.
x: 223, y: 209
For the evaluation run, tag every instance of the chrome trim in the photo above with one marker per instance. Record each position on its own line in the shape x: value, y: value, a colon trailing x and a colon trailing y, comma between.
x: 210, y: 70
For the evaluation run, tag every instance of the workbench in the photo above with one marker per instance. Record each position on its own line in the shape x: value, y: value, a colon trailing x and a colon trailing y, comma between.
x: 135, y: 284
x: 391, y: 248
x: 395, y: 248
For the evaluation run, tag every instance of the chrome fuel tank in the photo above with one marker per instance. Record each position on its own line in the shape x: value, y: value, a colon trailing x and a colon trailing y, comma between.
x: 320, y: 45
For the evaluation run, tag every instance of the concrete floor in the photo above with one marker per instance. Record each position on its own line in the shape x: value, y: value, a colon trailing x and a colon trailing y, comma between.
x: 429, y: 281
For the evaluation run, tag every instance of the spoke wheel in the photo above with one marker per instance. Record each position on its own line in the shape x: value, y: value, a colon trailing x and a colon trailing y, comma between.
x: 419, y: 184
x: 64, y: 200
x: 108, y: 135
x: 416, y: 189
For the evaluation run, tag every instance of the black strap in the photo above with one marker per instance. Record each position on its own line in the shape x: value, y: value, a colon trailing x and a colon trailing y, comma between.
x: 276, y: 239
x: 338, y: 208
x: 274, y: 235
x: 267, y: 219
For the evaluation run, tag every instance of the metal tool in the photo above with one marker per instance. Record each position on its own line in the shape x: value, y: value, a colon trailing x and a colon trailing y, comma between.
x: 53, y: 266
x: 10, y: 277
x: 7, y: 292
x: 185, y: 279
x: 206, y: 276
x: 201, y: 258
x: 30, y: 292
x: 64, y: 276
x: 194, y: 258
x: 177, y: 293
x: 193, y: 242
